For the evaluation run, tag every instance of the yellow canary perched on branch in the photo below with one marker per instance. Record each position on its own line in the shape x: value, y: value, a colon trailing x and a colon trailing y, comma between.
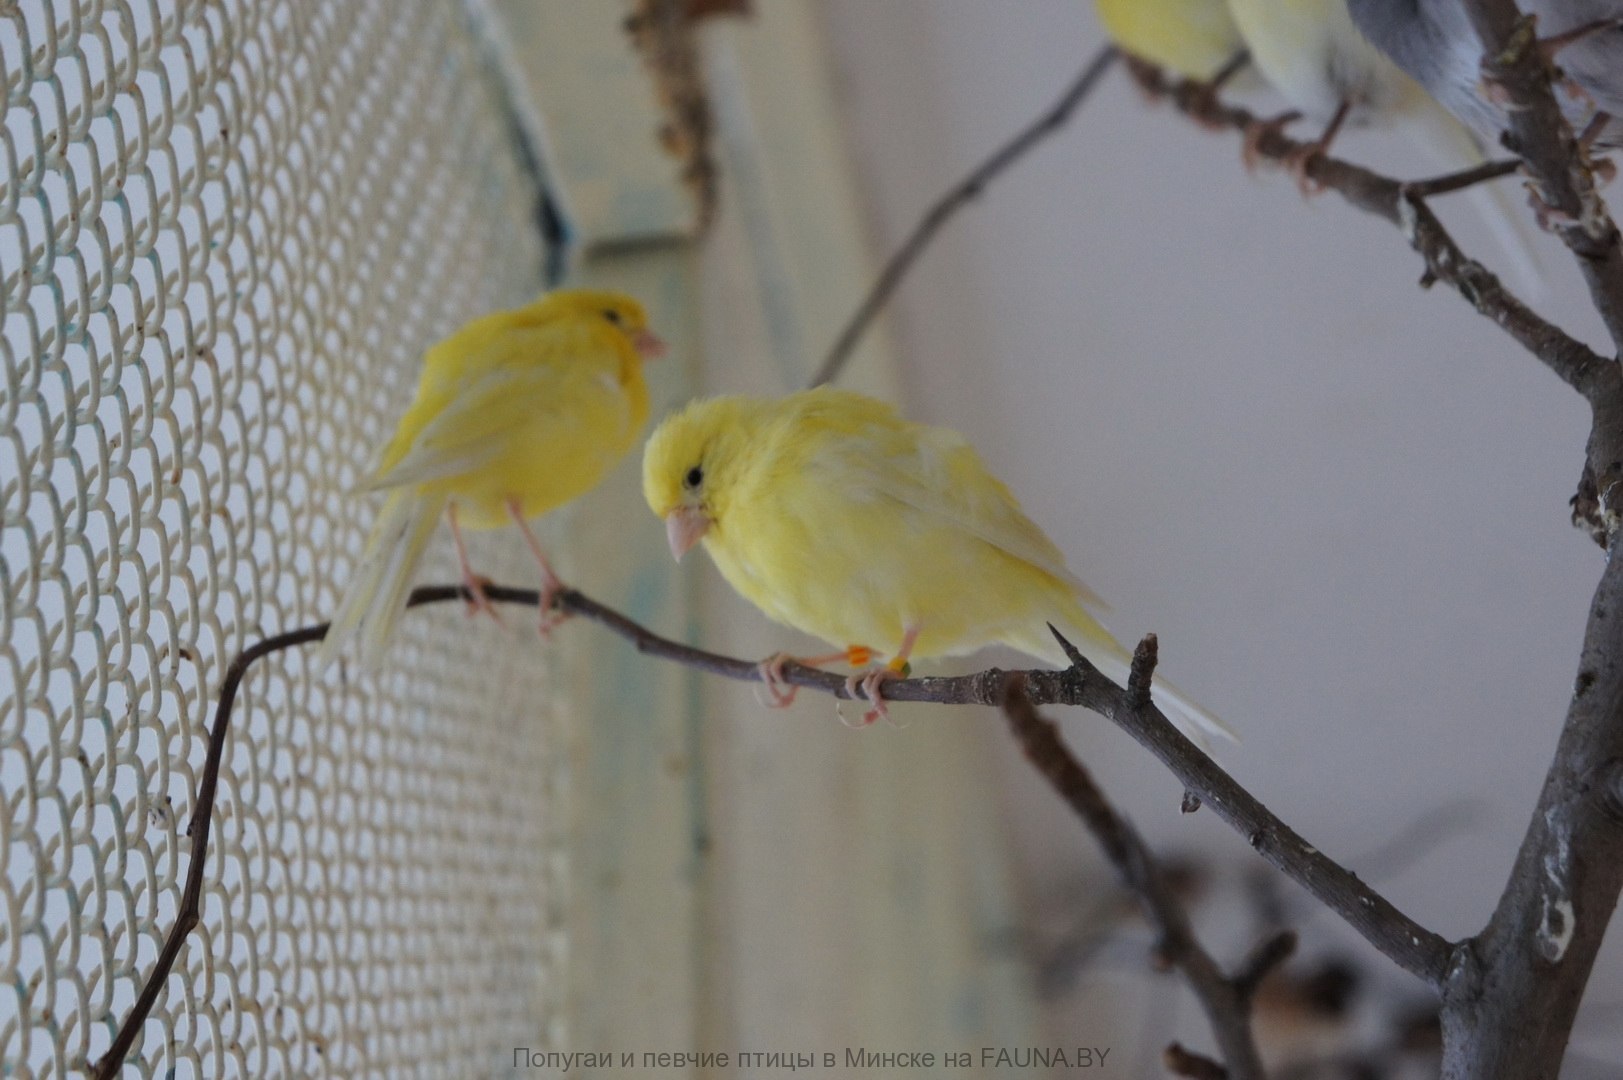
x: 516, y: 413
x: 834, y: 515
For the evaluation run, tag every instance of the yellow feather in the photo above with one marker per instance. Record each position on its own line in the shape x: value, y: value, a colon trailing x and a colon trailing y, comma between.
x: 530, y: 406
x: 1192, y: 38
x: 834, y: 515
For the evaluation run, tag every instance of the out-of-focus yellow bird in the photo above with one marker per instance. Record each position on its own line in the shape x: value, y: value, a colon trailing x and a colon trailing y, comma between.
x: 834, y: 515
x: 1193, y: 38
x: 516, y: 413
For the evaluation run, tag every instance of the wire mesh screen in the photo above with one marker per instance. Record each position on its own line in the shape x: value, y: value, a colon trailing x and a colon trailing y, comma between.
x: 228, y: 229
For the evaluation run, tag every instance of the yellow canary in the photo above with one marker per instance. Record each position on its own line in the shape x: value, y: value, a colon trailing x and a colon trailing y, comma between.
x: 1193, y: 38
x: 834, y: 515
x: 516, y: 413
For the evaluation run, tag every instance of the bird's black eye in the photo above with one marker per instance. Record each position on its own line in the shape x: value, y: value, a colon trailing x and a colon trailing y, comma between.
x: 694, y: 478
x: 612, y: 315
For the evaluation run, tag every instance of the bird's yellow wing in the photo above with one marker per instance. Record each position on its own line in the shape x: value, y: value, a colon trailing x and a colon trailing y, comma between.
x: 1194, y: 38
x: 473, y: 428
x: 482, y: 394
x: 937, y: 472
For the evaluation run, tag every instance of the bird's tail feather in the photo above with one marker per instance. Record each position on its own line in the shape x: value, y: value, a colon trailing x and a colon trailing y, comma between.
x: 1095, y: 642
x: 376, y: 596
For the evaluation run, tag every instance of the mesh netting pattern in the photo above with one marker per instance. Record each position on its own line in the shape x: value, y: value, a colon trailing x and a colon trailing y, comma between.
x: 227, y: 231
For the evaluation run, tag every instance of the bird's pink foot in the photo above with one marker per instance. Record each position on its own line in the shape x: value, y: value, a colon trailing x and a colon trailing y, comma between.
x: 478, y: 602
x: 780, y: 694
x: 869, y: 686
x: 1251, y: 149
x: 552, y: 616
x: 1298, y: 161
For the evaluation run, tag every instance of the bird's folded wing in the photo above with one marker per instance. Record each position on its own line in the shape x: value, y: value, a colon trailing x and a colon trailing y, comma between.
x: 478, y: 422
x: 948, y: 480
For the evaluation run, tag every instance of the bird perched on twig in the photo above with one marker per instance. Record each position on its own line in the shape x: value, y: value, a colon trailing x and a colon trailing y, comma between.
x: 516, y: 413
x: 1328, y: 72
x: 1434, y: 42
x: 835, y: 516
x: 1321, y: 63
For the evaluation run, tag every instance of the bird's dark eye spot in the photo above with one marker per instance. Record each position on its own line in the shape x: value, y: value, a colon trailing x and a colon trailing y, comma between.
x: 612, y: 315
x: 694, y: 478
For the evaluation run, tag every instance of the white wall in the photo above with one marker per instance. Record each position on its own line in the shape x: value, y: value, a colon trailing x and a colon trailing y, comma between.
x: 1340, y: 500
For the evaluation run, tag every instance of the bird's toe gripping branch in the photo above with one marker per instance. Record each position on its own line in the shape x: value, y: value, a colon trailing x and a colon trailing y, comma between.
x: 869, y: 684
x: 780, y: 693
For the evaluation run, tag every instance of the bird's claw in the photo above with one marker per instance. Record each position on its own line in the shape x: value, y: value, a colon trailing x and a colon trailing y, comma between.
x: 1298, y: 161
x: 867, y: 686
x: 478, y: 601
x: 780, y: 692
x: 1251, y: 149
x: 552, y: 616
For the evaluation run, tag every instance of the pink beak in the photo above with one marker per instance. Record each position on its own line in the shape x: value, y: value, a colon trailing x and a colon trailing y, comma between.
x: 648, y: 345
x: 684, y: 526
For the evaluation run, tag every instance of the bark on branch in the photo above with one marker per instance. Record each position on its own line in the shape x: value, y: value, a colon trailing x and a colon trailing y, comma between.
x: 1410, y: 945
x: 1515, y: 66
x: 1225, y: 999
x: 1513, y: 991
x: 1404, y: 206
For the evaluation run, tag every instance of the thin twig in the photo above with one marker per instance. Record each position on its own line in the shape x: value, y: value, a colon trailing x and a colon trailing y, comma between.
x: 1410, y: 945
x: 1226, y: 1004
x: 961, y: 194
x: 1517, y: 68
x: 1465, y: 178
x: 1576, y: 363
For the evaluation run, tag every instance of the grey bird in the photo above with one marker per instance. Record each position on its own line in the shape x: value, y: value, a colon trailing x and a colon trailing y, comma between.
x: 1434, y: 42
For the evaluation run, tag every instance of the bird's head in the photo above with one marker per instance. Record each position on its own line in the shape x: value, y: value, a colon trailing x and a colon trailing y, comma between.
x: 617, y: 310
x: 690, y: 465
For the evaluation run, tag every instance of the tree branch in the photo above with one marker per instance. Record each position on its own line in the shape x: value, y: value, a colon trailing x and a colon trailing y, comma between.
x: 960, y: 195
x: 1517, y: 68
x: 1404, y: 206
x: 1509, y: 1008
x: 1511, y: 997
x: 1226, y: 1001
x: 1410, y: 945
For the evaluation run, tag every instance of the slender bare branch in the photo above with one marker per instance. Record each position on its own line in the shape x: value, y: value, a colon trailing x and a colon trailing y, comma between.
x: 1410, y: 945
x: 960, y: 195
x: 1226, y: 1002
x: 1403, y: 205
x: 1518, y: 69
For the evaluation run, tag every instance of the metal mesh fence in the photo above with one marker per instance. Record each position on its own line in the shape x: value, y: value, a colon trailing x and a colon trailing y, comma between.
x: 227, y: 231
